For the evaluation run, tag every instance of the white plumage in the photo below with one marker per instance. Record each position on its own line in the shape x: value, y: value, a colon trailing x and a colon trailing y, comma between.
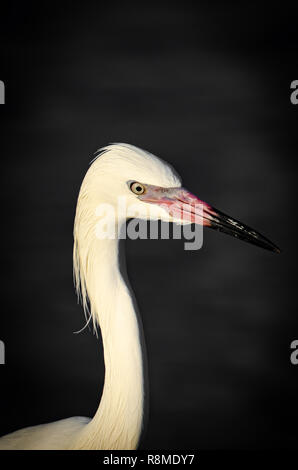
x: 117, y: 423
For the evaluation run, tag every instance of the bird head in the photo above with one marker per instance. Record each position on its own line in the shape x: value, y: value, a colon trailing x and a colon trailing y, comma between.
x: 136, y: 183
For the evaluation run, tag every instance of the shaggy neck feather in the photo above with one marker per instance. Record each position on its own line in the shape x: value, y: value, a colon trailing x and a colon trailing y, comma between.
x: 118, y: 421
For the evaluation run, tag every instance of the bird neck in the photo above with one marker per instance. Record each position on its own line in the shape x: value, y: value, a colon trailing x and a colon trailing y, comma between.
x: 118, y: 421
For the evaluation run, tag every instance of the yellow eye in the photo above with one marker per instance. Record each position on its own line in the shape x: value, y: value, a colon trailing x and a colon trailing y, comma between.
x: 137, y: 188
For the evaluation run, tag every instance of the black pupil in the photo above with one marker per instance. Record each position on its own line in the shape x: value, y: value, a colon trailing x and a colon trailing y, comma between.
x: 139, y: 189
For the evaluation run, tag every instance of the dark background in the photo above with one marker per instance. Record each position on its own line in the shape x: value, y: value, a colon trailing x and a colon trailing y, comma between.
x: 206, y: 87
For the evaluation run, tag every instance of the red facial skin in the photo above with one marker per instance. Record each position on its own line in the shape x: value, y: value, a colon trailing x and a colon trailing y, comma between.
x: 180, y: 204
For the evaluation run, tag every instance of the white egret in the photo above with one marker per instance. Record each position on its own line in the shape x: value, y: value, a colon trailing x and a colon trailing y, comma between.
x: 144, y: 181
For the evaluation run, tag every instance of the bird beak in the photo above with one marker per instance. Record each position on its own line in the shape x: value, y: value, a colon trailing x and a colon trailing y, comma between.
x: 187, y: 208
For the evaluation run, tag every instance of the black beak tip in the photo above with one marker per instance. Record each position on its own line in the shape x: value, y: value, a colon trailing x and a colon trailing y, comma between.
x: 226, y: 224
x: 271, y: 246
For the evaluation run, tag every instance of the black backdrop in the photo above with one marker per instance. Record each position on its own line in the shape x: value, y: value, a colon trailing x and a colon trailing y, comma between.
x: 205, y: 86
